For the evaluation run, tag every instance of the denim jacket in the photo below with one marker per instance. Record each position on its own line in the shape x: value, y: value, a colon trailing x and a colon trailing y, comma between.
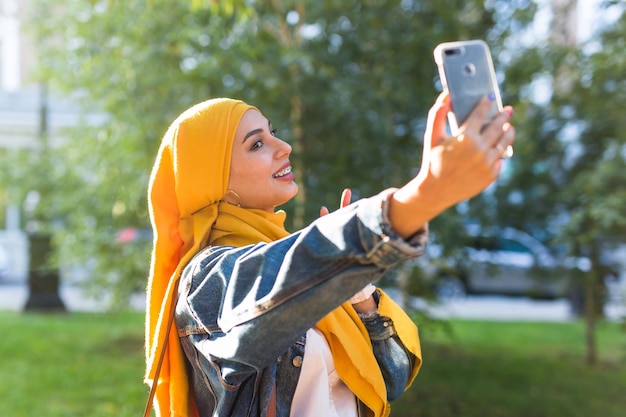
x: 242, y: 313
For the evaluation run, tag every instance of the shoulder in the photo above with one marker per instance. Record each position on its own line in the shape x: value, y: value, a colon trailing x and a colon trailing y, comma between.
x: 200, y: 266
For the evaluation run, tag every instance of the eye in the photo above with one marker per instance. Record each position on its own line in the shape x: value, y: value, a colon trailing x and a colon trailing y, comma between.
x: 273, y: 132
x: 256, y: 145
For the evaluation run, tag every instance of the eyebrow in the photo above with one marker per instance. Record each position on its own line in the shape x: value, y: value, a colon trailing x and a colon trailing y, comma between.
x: 255, y: 132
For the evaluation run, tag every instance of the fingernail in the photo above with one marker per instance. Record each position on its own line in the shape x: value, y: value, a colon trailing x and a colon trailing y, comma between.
x: 491, y: 96
x: 509, y: 111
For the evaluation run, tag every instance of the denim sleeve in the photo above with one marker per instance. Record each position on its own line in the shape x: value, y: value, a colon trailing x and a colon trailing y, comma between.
x: 252, y: 303
x: 394, y: 360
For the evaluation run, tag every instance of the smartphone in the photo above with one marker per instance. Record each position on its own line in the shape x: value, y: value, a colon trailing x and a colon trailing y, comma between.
x: 466, y: 71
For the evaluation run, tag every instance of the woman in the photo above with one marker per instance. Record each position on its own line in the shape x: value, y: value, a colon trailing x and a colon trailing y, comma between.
x: 269, y: 323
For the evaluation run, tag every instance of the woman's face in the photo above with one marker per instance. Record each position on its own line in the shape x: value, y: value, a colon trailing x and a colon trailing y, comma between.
x: 260, y: 171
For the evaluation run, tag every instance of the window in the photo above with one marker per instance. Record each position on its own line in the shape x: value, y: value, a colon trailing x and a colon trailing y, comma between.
x: 10, y: 64
x: 513, y: 246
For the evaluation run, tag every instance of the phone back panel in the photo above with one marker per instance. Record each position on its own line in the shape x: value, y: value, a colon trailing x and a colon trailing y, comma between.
x: 466, y: 71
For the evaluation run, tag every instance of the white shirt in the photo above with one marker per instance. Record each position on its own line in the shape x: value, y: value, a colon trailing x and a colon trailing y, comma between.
x: 320, y: 392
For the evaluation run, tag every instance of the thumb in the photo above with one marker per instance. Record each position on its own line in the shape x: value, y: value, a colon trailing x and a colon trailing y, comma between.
x: 346, y: 196
x: 436, y: 124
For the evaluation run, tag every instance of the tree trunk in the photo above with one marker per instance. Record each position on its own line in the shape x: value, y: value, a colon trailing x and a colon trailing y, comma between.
x: 593, y: 305
x: 590, y: 318
x: 298, y: 151
x: 404, y: 278
x: 290, y: 38
x: 43, y: 279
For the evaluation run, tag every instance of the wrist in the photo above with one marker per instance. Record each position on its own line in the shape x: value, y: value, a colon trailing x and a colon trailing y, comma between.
x: 363, y: 295
x: 413, y: 206
x: 364, y: 301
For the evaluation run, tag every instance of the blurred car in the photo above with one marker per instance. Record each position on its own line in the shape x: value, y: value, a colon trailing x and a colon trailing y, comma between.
x: 504, y: 262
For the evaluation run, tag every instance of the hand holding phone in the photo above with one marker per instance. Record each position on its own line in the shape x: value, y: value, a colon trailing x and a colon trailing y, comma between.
x: 466, y: 71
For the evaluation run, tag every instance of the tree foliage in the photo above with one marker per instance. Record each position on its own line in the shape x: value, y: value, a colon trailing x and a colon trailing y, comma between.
x: 596, y: 192
x: 348, y: 83
x: 568, y: 185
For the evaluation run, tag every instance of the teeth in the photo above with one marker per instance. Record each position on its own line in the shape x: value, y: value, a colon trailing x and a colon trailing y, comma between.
x: 283, y: 172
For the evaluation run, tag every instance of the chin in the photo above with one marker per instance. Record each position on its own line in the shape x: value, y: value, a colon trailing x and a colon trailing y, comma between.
x: 291, y: 195
x: 295, y: 191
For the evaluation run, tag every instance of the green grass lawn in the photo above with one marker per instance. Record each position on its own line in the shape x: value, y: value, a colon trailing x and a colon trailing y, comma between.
x: 70, y: 365
x: 91, y: 365
x: 521, y: 369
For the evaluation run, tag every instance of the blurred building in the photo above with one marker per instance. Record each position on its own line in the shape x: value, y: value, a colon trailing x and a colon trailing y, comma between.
x: 564, y: 29
x: 18, y: 126
x: 26, y: 111
x: 19, y: 93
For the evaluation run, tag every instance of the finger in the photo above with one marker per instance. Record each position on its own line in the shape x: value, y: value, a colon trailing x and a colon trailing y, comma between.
x: 503, y: 152
x: 436, y: 124
x: 503, y: 147
x: 494, y: 130
x: 508, y: 153
x: 346, y: 196
x: 323, y: 211
x: 508, y: 138
x: 478, y: 116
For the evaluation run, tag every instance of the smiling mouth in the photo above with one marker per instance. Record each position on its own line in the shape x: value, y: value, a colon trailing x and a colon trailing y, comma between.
x: 282, y: 172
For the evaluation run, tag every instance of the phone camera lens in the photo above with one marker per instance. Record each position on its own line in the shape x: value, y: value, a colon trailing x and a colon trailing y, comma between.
x: 469, y: 70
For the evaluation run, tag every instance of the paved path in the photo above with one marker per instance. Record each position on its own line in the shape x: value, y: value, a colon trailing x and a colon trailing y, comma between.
x: 13, y: 296
x: 490, y: 307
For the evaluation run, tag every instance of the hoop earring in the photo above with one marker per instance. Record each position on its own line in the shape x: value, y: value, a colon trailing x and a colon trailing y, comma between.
x: 237, y: 196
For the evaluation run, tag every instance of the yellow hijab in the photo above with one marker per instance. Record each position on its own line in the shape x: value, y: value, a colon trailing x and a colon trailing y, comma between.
x: 188, y: 180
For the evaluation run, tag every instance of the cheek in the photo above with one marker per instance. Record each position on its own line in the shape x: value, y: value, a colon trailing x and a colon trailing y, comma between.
x: 233, y: 178
x: 243, y: 175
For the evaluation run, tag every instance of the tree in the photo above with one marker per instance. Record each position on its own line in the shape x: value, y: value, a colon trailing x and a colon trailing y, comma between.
x: 348, y: 83
x: 596, y: 191
x: 566, y: 182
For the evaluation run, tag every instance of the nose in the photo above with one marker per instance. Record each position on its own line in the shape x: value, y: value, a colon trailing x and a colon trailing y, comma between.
x: 282, y: 149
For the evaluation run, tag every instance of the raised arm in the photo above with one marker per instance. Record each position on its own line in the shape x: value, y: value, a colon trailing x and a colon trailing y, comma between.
x: 453, y: 168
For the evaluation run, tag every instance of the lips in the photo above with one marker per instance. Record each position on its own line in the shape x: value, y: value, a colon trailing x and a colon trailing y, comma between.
x: 284, y: 171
